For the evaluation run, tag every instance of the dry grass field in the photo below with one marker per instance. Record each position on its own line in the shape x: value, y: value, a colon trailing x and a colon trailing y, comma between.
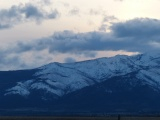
x: 79, y: 118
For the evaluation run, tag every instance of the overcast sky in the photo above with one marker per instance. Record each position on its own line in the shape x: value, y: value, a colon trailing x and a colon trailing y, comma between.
x: 37, y: 32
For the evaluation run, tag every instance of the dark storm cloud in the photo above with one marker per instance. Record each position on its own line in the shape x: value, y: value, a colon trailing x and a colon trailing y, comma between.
x: 137, y: 28
x: 131, y: 35
x: 135, y: 35
x: 77, y: 42
x: 22, y: 13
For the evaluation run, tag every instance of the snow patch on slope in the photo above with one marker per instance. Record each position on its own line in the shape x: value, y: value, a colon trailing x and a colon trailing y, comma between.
x: 20, y: 88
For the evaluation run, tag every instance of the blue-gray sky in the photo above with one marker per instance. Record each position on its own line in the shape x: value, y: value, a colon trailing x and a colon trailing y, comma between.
x: 37, y: 32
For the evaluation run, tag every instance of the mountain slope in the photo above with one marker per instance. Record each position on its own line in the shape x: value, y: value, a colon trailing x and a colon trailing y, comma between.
x: 116, y: 84
x: 122, y: 94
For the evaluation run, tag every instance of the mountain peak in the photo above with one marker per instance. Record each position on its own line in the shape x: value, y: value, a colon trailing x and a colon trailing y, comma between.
x: 109, y: 75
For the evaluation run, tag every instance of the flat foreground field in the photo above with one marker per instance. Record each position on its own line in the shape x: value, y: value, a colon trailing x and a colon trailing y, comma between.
x: 79, y: 118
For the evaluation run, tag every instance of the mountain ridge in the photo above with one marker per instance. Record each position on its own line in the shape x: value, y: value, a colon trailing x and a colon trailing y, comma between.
x: 65, y: 86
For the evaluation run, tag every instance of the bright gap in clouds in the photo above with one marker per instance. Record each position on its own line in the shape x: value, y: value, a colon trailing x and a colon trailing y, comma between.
x: 62, y: 57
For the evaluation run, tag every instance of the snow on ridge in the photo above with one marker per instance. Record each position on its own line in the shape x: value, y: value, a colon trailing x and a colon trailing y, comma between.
x: 104, y: 67
x: 42, y: 86
x: 60, y: 79
x: 20, y: 88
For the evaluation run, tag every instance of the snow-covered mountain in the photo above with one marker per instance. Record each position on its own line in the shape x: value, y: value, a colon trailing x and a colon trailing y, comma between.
x: 59, y: 83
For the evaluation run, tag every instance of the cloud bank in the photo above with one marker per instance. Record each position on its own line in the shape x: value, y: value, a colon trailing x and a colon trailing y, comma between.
x: 136, y: 35
x: 132, y: 35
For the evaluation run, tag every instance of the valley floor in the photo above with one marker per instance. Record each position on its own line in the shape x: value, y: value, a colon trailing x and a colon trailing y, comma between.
x: 80, y: 118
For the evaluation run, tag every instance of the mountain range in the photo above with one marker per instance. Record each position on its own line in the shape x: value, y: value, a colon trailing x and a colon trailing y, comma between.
x: 115, y: 85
